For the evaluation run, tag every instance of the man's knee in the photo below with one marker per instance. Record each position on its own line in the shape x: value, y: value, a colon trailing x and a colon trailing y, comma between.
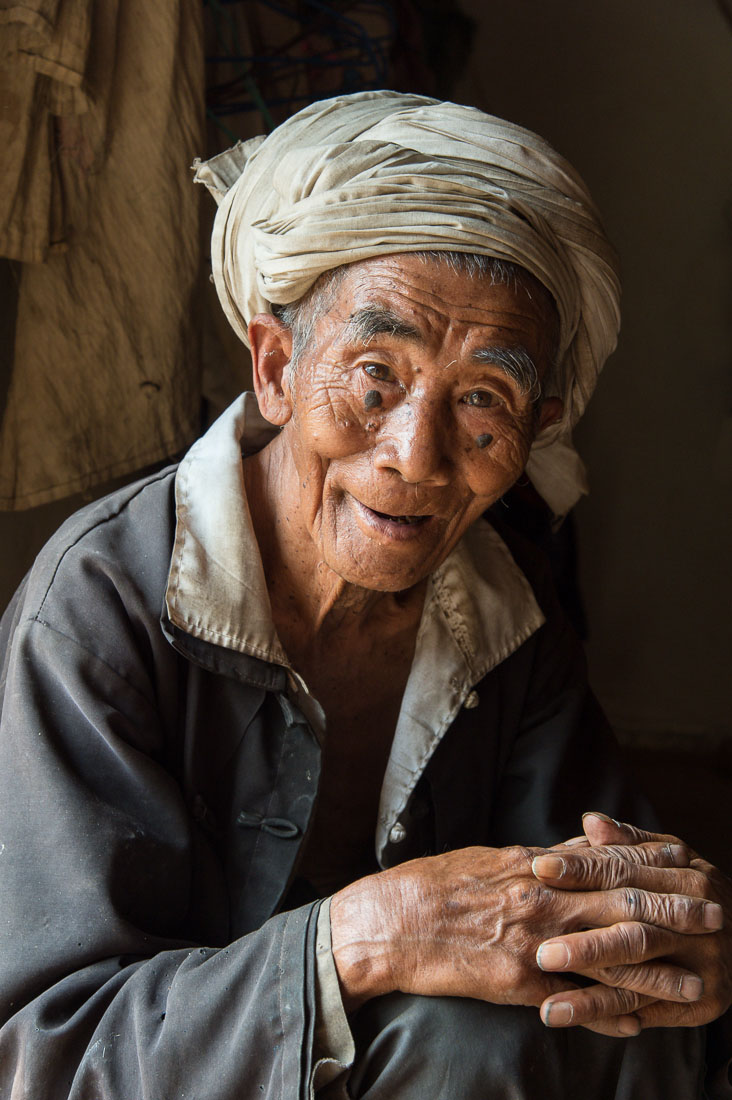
x: 444, y: 1047
x: 448, y: 1047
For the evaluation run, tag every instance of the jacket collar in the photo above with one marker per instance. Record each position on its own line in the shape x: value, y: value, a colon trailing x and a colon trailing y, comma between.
x: 216, y: 588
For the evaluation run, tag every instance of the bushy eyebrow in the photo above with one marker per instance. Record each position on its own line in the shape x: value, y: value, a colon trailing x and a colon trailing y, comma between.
x: 364, y: 324
x: 514, y: 362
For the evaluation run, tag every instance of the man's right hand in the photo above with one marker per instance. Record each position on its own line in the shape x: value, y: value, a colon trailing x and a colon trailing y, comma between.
x: 637, y: 947
x: 468, y: 924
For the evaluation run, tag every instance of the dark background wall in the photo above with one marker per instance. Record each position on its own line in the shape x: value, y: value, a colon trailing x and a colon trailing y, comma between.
x: 638, y: 97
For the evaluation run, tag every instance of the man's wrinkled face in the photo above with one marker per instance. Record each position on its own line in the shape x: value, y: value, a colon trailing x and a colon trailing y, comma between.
x: 402, y: 420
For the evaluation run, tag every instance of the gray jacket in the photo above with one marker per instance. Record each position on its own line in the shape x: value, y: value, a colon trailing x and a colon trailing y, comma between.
x: 155, y: 790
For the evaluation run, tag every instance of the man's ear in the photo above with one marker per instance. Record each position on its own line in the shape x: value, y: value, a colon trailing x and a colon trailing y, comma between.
x: 271, y: 343
x: 551, y: 411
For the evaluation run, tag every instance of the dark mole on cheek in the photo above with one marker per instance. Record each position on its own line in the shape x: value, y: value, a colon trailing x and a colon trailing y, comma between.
x: 484, y: 440
x: 372, y: 400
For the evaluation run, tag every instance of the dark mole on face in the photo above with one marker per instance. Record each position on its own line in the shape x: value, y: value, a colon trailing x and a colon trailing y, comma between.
x: 372, y: 400
x: 484, y: 440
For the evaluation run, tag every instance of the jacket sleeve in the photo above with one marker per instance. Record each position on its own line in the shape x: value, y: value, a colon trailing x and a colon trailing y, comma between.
x: 104, y: 992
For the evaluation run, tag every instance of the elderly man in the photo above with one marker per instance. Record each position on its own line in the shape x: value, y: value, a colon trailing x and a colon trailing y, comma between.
x: 287, y: 738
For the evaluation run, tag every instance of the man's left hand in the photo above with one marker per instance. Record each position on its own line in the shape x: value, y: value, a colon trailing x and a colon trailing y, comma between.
x: 665, y: 978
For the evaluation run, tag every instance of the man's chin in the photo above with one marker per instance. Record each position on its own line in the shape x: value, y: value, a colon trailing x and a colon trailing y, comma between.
x: 383, y: 553
x: 374, y: 571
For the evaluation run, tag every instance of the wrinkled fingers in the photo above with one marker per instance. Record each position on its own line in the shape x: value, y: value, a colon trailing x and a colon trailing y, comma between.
x: 628, y: 942
x: 659, y: 867
x: 663, y: 981
x: 600, y: 1007
x: 624, y: 955
x: 676, y: 912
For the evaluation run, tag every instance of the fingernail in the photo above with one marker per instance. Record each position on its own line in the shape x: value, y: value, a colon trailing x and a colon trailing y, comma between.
x: 678, y: 855
x: 558, y: 1014
x: 713, y: 916
x: 548, y: 866
x: 575, y: 840
x: 629, y: 1025
x: 603, y: 817
x: 553, y: 956
x: 691, y: 987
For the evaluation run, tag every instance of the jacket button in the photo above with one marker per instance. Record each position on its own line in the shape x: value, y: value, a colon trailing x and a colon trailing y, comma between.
x: 472, y: 700
x: 397, y: 833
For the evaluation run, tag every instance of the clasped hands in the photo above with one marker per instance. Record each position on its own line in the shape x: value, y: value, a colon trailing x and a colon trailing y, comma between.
x: 638, y: 916
x: 670, y: 964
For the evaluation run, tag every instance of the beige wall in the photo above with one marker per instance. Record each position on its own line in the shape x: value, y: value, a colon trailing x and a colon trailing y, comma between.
x: 639, y: 97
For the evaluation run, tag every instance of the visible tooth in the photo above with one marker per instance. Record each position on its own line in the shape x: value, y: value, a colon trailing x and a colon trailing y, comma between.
x: 401, y: 519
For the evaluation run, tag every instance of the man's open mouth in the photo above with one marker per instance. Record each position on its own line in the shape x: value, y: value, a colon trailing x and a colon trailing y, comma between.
x: 402, y: 528
x: 406, y: 520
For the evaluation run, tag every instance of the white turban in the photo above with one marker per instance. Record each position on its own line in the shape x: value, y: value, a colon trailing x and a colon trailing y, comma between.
x: 380, y: 172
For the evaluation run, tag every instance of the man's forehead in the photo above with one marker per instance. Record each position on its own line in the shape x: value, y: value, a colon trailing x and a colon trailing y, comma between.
x: 411, y: 297
x: 397, y: 280
x: 407, y: 314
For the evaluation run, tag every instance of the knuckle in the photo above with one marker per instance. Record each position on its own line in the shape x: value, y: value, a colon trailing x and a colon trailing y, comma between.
x: 639, y: 855
x: 528, y: 894
x: 634, y: 939
x: 701, y: 887
x: 633, y: 901
x: 616, y: 975
x: 627, y: 1000
x: 625, y: 934
x: 582, y: 868
x: 640, y: 979
x: 660, y: 909
x: 589, y: 953
x: 604, y: 1000
x: 661, y: 981
x: 684, y: 908
x: 663, y: 910
x: 613, y: 872
x: 523, y: 854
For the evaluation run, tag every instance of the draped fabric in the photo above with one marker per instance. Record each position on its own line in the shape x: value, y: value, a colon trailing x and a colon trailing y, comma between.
x: 380, y: 172
x: 102, y: 110
x: 44, y: 46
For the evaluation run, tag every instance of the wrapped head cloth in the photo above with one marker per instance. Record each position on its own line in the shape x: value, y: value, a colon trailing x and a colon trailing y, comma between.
x: 380, y: 172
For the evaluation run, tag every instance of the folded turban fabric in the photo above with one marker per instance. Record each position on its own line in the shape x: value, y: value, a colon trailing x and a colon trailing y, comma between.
x: 373, y: 173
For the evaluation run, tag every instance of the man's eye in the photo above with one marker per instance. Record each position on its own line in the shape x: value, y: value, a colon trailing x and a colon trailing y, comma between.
x: 480, y: 399
x: 378, y: 371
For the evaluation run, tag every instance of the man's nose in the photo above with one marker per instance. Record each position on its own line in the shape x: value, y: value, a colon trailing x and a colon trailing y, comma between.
x: 415, y: 442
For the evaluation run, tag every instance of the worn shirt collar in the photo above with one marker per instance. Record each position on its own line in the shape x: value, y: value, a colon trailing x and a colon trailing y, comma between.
x: 479, y: 607
x: 216, y: 587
